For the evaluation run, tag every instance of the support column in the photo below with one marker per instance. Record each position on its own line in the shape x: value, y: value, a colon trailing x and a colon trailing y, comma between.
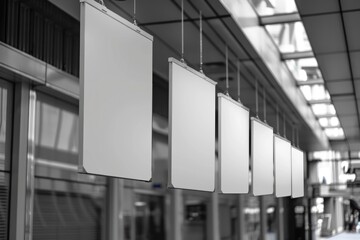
x: 212, y: 218
x: 115, y: 209
x: 280, y: 219
x: 241, y: 218
x: 177, y: 214
x: 263, y: 223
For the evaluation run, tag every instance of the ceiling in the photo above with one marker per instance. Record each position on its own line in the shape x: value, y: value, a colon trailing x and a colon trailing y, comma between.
x: 332, y: 27
x: 162, y: 19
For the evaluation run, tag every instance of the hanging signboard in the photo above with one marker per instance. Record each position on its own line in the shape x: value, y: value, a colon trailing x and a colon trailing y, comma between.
x: 233, y: 141
x: 116, y: 95
x: 297, y: 165
x: 262, y: 164
x: 282, y: 166
x: 192, y: 128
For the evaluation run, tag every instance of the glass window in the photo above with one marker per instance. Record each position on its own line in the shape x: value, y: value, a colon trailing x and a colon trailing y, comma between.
x: 272, y: 7
x: 67, y: 205
x: 289, y: 37
x: 304, y: 69
x: 5, y: 155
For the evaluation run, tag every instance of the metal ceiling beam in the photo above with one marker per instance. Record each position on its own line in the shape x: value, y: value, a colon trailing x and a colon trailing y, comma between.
x: 326, y: 116
x: 310, y: 82
x: 280, y: 19
x: 328, y: 127
x: 321, y: 101
x: 297, y: 55
x: 185, y: 20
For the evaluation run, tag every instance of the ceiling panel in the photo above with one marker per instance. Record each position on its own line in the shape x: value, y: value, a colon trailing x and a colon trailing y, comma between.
x: 352, y: 133
x: 352, y: 20
x: 334, y: 66
x: 193, y: 10
x: 216, y: 5
x: 231, y: 41
x: 357, y: 89
x: 350, y: 4
x: 340, y: 87
x: 349, y: 121
x: 144, y: 7
x: 318, y: 6
x: 345, y: 105
x: 354, y: 145
x: 339, y: 145
x: 355, y: 63
x: 325, y: 33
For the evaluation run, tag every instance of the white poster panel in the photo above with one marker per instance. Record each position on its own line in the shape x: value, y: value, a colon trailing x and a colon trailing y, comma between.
x: 192, y: 128
x: 297, y: 182
x: 233, y: 141
x: 116, y: 95
x: 262, y: 148
x: 282, y: 166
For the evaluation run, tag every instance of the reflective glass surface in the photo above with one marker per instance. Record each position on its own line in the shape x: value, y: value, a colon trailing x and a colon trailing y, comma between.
x: 289, y: 37
x: 273, y: 7
x: 67, y: 205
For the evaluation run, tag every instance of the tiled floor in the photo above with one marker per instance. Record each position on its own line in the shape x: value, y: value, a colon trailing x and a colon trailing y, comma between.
x: 345, y: 236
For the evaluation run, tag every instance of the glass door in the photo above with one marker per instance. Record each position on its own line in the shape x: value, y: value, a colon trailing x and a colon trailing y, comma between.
x: 149, y: 217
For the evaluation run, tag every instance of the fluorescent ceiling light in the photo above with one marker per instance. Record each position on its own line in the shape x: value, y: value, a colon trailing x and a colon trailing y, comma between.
x: 329, y: 122
x: 334, y: 133
x: 323, y: 109
x: 315, y: 92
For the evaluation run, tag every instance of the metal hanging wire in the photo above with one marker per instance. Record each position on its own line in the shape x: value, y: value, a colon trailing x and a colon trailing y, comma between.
x: 277, y: 120
x: 284, y: 127
x: 227, y: 69
x: 134, y: 14
x: 182, y: 31
x: 297, y: 137
x: 201, y: 45
x: 293, y: 134
x: 264, y: 95
x: 238, y: 79
x: 102, y: 2
x: 256, y: 99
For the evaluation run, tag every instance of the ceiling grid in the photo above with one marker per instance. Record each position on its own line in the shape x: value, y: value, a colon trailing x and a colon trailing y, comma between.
x: 332, y: 28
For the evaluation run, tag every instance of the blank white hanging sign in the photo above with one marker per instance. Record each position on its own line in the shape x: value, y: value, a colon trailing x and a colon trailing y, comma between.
x: 192, y: 128
x: 233, y: 139
x: 262, y: 164
x: 116, y: 95
x: 282, y: 166
x: 297, y: 165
